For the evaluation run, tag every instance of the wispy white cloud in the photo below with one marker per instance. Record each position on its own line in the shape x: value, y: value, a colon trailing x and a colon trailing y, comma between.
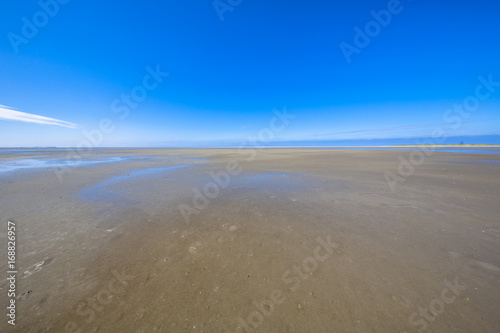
x: 409, y: 131
x: 7, y: 113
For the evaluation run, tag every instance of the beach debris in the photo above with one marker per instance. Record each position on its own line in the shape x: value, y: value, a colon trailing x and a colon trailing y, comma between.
x: 23, y: 294
x: 192, y: 250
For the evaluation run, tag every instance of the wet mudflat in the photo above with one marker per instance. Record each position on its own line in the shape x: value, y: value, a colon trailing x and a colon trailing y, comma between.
x: 283, y: 240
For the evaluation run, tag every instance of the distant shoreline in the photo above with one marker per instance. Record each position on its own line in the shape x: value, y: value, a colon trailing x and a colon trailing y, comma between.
x: 267, y: 147
x: 449, y: 146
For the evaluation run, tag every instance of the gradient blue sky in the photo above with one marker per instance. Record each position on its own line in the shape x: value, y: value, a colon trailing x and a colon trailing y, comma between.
x: 226, y: 77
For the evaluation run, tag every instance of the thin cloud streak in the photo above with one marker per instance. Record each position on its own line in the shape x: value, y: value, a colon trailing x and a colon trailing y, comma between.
x: 390, y: 131
x: 385, y: 129
x: 7, y: 113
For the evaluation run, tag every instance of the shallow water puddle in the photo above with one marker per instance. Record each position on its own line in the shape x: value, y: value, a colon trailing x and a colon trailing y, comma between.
x: 36, y: 163
x: 99, y: 192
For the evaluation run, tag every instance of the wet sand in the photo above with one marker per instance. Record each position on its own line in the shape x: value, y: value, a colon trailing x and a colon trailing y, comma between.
x: 269, y: 240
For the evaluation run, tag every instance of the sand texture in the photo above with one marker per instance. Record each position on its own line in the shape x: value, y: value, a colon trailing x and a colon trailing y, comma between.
x: 269, y: 240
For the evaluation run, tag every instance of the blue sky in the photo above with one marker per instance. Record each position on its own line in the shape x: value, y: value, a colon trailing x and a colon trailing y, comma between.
x: 225, y: 77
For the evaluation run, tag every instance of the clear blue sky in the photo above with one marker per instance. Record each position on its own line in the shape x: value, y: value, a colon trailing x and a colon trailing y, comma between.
x: 226, y: 76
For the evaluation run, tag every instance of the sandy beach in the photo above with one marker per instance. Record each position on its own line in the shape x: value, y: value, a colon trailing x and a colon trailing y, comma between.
x: 255, y: 240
